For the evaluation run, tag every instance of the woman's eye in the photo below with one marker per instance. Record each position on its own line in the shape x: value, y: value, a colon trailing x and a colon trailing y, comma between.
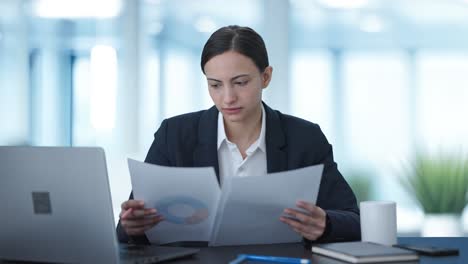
x: 214, y: 85
x: 242, y: 83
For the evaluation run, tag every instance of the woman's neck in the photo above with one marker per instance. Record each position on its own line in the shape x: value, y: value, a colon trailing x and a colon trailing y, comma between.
x: 244, y: 133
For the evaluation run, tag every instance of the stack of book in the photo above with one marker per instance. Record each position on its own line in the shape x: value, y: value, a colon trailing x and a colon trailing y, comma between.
x: 364, y: 252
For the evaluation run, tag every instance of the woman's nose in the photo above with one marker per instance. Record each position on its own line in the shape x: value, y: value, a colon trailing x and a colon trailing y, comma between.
x: 229, y: 95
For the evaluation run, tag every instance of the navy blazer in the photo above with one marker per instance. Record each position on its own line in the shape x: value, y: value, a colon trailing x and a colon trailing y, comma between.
x: 190, y: 140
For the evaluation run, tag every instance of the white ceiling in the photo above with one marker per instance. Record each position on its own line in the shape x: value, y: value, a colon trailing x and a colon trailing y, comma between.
x: 416, y: 12
x: 309, y: 12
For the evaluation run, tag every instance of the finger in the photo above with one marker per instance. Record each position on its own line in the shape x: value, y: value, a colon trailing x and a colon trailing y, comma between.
x: 135, y: 204
x: 131, y: 214
x: 137, y: 214
x: 298, y: 231
x: 141, y: 222
x: 316, y: 222
x: 301, y: 216
x: 144, y: 212
x: 128, y: 224
x: 150, y: 211
x: 292, y: 223
x: 312, y: 234
x: 306, y: 232
x: 126, y: 214
x: 141, y: 230
x: 309, y: 207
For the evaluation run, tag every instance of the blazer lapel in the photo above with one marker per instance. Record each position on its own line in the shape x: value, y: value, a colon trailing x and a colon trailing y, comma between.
x: 206, y: 152
x: 275, y: 142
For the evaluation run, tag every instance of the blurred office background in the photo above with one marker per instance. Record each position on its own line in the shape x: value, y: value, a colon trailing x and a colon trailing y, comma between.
x: 384, y: 79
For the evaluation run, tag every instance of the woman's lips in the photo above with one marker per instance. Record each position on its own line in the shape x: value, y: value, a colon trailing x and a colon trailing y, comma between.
x: 232, y: 110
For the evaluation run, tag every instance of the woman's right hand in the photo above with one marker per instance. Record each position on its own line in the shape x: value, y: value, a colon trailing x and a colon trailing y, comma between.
x: 136, y: 219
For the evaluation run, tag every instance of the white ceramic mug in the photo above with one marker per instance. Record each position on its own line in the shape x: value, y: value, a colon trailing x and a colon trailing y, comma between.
x: 378, y: 222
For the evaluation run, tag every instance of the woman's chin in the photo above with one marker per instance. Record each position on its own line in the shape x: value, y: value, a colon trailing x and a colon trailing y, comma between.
x: 233, y: 118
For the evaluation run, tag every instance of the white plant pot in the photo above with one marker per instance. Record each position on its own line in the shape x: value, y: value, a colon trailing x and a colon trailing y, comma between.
x: 442, y: 225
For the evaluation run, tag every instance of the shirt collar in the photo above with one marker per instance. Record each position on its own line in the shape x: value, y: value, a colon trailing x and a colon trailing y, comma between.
x: 260, y: 142
x: 221, y: 131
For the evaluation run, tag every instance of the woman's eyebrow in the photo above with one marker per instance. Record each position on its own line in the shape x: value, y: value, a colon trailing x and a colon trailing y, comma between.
x: 238, y: 76
x: 233, y: 78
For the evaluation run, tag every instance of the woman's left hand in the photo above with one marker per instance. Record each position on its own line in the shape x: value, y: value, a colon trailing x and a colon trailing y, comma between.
x: 309, y: 224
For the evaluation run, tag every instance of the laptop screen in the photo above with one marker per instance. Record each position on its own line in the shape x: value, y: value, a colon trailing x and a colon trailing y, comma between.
x: 58, y: 204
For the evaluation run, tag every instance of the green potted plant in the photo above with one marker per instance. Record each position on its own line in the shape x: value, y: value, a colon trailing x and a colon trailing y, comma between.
x: 361, y: 184
x: 439, y: 184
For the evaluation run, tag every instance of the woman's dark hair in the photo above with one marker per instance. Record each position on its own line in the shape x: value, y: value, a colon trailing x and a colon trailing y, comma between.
x: 240, y: 39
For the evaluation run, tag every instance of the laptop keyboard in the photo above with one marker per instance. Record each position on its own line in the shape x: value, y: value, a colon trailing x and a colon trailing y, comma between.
x: 152, y: 254
x: 136, y: 254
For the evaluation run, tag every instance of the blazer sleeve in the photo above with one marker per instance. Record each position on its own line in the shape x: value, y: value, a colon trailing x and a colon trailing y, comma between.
x: 338, y: 200
x: 157, y: 154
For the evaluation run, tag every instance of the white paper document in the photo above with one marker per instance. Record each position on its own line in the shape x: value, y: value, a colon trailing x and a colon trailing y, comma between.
x: 186, y: 197
x: 245, y: 211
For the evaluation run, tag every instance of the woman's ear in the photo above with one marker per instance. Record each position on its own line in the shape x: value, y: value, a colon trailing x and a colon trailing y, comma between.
x: 266, y: 76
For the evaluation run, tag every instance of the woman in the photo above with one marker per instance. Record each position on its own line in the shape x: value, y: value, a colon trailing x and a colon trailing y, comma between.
x: 242, y: 136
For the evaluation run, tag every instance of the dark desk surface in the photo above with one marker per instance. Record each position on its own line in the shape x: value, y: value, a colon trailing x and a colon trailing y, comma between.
x: 211, y: 255
x: 226, y: 254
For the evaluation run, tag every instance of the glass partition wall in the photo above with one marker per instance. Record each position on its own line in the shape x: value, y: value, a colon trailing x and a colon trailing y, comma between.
x: 381, y: 78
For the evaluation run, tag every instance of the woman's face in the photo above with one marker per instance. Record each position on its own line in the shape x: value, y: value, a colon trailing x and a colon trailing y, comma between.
x: 235, y: 85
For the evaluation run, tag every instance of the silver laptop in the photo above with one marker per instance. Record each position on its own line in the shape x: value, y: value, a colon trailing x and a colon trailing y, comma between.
x: 56, y: 207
